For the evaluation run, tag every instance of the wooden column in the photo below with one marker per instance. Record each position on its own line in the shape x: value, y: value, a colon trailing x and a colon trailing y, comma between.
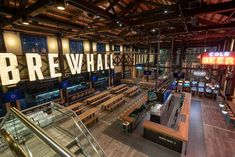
x: 148, y: 52
x: 110, y: 77
x: 182, y: 55
x: 61, y: 55
x: 2, y: 43
x: 123, y: 65
x: 63, y: 92
x: 171, y: 57
x: 91, y: 51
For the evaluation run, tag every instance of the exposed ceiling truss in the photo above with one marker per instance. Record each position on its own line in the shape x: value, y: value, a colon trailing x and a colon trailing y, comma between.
x: 122, y: 20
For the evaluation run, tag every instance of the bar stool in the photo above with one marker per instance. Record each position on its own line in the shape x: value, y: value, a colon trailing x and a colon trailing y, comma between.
x: 232, y: 118
x: 227, y: 117
x: 222, y: 106
x: 225, y: 113
x: 125, y: 127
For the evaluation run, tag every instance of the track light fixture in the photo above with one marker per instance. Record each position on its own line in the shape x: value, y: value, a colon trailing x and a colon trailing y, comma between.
x: 25, y: 20
x: 60, y: 4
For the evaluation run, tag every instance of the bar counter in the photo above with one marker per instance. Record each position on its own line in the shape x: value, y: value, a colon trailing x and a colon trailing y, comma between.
x: 168, y: 137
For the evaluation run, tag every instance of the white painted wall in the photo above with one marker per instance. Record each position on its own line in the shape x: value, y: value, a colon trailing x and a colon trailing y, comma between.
x: 12, y: 42
x: 52, y: 44
x: 65, y: 45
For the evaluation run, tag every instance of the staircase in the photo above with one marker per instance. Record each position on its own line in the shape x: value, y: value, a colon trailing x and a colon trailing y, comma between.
x: 64, y: 136
x: 83, y: 139
x: 75, y: 148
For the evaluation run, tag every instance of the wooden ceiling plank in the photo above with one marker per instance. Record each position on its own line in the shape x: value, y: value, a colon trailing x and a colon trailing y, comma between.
x: 32, y: 8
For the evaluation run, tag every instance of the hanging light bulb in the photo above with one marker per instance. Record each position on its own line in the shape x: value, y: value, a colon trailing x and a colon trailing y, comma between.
x: 60, y: 4
x: 25, y: 20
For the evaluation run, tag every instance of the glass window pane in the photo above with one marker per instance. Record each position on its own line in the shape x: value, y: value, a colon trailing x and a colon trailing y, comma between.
x: 101, y: 47
x: 34, y: 44
x: 116, y: 47
x: 76, y: 46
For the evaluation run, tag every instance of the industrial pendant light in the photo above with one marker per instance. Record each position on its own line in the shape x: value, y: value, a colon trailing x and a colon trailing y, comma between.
x: 60, y: 4
x: 25, y: 20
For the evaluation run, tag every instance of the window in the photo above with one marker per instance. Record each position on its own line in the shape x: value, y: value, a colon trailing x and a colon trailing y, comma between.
x: 142, y: 50
x: 33, y: 44
x: 116, y: 47
x: 76, y: 46
x: 101, y: 47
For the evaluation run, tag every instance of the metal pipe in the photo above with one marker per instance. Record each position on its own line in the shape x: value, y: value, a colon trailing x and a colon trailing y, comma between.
x: 42, y: 134
x: 13, y: 145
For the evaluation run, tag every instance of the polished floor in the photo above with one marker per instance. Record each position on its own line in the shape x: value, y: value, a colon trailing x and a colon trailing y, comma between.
x: 210, y: 136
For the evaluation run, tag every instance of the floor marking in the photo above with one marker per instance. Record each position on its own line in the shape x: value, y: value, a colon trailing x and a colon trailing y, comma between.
x: 103, y: 121
x: 219, y: 128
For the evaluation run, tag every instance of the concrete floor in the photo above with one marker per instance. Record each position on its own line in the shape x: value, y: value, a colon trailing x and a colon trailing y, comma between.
x: 209, y: 135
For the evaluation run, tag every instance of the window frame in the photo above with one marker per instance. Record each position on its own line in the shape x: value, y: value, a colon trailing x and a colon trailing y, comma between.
x: 77, y: 41
x: 33, y: 35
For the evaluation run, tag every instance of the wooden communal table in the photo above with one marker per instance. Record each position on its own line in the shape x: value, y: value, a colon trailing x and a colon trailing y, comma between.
x: 118, y: 88
x: 80, y: 95
x: 99, y: 101
x: 146, y: 85
x: 76, y: 107
x: 168, y: 137
x: 132, y: 91
x: 128, y: 81
x: 96, y: 97
x: 89, y: 117
x: 113, y: 102
x: 231, y: 105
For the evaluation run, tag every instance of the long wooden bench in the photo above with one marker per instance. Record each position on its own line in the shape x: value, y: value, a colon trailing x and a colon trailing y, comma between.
x: 146, y: 85
x: 162, y: 134
x: 132, y: 91
x: 80, y: 95
x: 127, y: 81
x: 77, y: 107
x: 113, y: 102
x: 96, y: 97
x: 101, y: 100
x: 89, y: 117
x: 119, y: 88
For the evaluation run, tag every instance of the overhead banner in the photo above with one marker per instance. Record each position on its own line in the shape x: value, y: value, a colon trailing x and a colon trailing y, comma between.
x: 218, y: 58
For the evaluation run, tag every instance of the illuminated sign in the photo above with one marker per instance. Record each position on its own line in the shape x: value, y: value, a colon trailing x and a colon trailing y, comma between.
x: 10, y: 74
x: 199, y: 73
x: 218, y: 58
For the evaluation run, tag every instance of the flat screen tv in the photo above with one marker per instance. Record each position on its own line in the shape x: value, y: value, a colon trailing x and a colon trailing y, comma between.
x: 13, y: 95
x: 179, y: 75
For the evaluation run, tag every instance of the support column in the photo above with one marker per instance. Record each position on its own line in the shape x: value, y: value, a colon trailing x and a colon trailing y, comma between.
x: 157, y: 59
x: 91, y: 51
x: 171, y: 58
x: 123, y: 65
x: 63, y: 92
x: 148, y: 52
x: 2, y: 43
x: 110, y: 76
x: 182, y: 55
